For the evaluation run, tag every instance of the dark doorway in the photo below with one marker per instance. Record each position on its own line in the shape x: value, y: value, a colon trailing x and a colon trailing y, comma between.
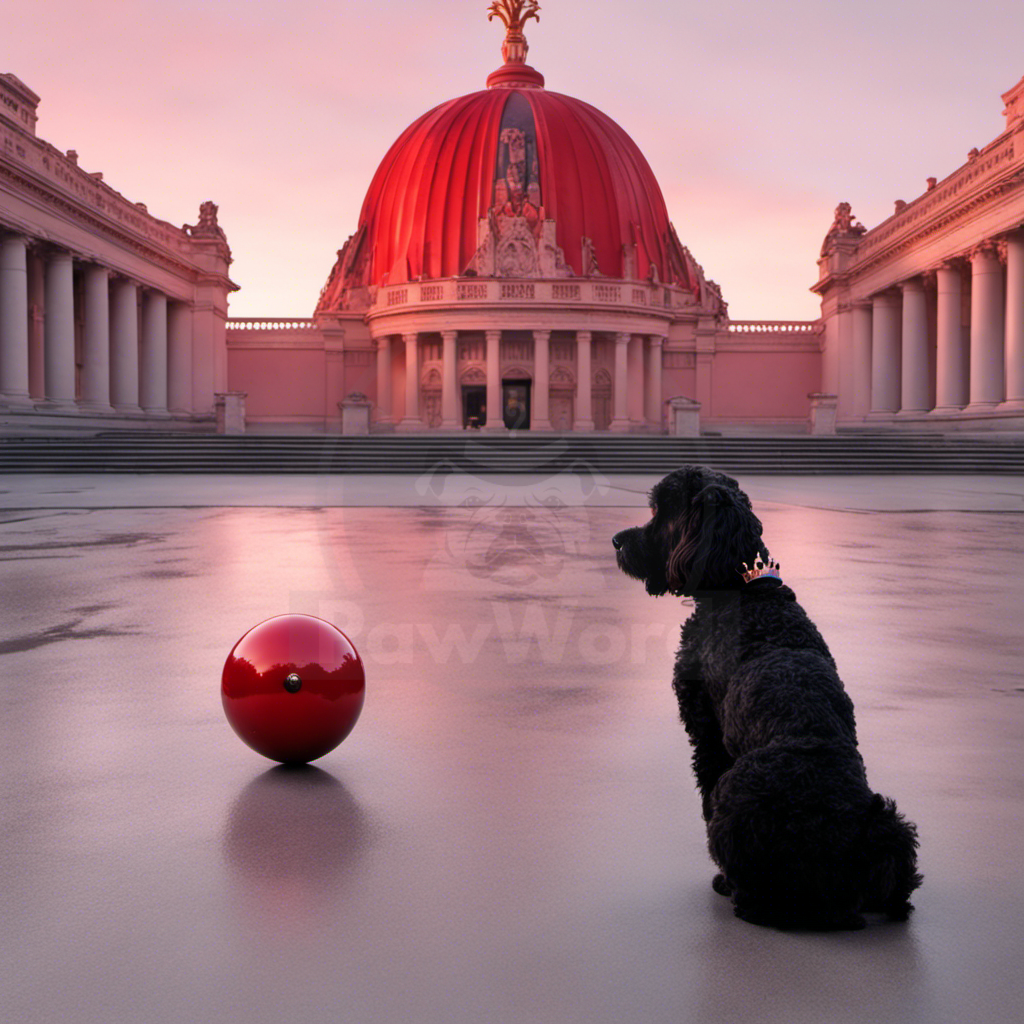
x: 474, y: 406
x: 515, y: 404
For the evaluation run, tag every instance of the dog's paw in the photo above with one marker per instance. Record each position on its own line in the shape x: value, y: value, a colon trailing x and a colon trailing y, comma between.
x: 721, y: 885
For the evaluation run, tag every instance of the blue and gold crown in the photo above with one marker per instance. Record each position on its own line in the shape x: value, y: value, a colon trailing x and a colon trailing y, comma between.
x: 761, y: 568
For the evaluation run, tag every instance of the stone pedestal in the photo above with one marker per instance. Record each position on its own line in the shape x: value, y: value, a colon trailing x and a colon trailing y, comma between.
x: 230, y: 412
x: 823, y: 412
x: 683, y: 417
x: 355, y: 415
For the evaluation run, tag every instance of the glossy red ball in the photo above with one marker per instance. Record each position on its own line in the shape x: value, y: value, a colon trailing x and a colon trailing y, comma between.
x: 293, y: 687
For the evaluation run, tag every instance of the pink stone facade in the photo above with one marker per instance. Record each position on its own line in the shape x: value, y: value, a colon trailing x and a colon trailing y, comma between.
x: 924, y: 313
x: 753, y: 374
x: 111, y: 318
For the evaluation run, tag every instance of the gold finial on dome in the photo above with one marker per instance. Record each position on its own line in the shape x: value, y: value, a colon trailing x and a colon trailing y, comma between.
x: 514, y: 14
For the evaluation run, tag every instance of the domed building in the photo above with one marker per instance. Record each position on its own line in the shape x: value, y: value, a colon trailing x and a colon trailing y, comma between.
x: 513, y: 244
x: 514, y: 267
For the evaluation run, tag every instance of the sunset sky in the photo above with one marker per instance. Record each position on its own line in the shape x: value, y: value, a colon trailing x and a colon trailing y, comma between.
x: 757, y: 118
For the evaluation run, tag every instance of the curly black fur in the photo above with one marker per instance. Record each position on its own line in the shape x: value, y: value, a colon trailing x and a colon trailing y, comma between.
x: 799, y: 837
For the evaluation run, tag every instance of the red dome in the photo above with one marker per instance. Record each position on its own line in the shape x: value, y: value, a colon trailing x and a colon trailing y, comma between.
x: 451, y: 168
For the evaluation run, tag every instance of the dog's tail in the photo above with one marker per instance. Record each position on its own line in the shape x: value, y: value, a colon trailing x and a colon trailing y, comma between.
x: 890, y: 860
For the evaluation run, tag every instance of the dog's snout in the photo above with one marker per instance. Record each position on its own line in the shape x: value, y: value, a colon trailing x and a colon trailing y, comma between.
x: 617, y: 541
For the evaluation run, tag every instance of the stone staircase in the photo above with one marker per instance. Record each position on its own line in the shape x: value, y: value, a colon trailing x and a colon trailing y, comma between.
x: 165, y: 452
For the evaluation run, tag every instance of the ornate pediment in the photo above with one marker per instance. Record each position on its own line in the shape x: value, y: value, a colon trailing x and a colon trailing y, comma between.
x: 510, y: 247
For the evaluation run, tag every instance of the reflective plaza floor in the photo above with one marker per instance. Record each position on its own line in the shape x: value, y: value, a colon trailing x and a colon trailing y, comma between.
x: 511, y: 833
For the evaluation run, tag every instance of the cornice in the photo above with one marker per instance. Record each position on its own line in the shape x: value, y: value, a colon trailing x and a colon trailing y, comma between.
x: 68, y: 208
x: 899, y: 233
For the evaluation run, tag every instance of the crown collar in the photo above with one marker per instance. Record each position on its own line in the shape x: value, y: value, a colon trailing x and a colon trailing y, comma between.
x: 760, y: 569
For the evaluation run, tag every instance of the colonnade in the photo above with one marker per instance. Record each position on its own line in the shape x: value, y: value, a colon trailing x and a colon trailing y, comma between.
x: 913, y: 352
x: 629, y: 378
x: 136, y: 342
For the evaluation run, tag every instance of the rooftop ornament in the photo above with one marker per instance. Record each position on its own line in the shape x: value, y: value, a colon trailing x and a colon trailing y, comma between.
x: 514, y: 14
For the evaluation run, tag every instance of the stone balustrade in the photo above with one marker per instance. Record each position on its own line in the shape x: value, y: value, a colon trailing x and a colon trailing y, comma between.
x: 498, y: 291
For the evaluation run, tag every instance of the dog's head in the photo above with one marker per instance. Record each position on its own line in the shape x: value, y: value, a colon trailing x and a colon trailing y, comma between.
x: 701, y: 530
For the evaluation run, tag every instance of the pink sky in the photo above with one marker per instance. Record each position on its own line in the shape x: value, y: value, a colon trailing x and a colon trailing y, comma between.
x: 757, y: 118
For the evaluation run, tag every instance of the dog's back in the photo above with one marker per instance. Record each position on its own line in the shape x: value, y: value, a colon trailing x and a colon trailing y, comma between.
x: 768, y: 672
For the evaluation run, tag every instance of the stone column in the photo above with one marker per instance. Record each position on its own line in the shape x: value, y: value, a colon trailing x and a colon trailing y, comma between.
x: 1015, y: 322
x: 951, y: 393
x: 59, y: 330
x: 653, y: 400
x: 153, y: 368
x: 914, y: 376
x: 36, y: 326
x: 411, y: 421
x: 988, y: 307
x: 620, y: 414
x: 583, y: 420
x: 540, y: 418
x: 179, y: 358
x: 885, y: 353
x: 96, y: 341
x: 124, y: 347
x: 450, y: 419
x: 495, y: 419
x: 861, y: 361
x: 14, y: 389
x: 384, y: 417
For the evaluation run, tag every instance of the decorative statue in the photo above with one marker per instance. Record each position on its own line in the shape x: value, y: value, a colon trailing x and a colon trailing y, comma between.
x: 842, y: 226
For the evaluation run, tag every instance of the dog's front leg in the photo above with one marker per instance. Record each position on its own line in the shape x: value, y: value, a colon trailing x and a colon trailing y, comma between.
x: 710, y: 758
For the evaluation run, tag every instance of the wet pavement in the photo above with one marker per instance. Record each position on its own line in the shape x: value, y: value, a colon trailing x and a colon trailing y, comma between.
x: 511, y: 832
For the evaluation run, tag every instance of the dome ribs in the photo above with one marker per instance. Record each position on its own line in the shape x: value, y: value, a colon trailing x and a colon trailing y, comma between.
x: 479, y: 183
x: 593, y: 206
x: 445, y: 181
x: 414, y: 197
x: 421, y: 214
x: 379, y: 200
x: 646, y: 205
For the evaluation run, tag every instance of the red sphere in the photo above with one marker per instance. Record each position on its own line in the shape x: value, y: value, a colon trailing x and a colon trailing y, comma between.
x: 293, y: 687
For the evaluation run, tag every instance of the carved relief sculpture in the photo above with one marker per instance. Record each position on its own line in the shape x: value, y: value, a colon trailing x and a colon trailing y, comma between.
x: 843, y: 226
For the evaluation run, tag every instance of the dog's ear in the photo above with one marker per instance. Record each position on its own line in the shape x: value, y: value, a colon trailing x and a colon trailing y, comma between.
x: 716, y: 533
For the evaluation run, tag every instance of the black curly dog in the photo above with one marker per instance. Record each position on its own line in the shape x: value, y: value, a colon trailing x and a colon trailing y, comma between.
x: 800, y: 838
